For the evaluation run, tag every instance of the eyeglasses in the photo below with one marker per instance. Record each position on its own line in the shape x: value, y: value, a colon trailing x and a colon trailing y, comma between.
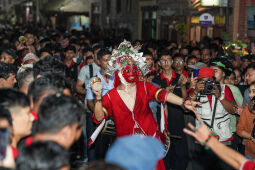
x: 178, y: 62
x: 166, y: 61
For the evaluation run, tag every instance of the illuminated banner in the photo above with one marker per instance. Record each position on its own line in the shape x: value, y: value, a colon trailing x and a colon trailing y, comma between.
x: 210, y: 2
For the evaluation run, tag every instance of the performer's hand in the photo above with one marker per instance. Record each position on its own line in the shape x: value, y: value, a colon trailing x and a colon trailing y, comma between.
x: 191, y: 105
x: 97, y: 91
x: 200, y: 134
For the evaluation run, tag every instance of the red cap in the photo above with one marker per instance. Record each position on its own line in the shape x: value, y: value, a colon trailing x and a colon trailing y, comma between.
x: 205, y: 72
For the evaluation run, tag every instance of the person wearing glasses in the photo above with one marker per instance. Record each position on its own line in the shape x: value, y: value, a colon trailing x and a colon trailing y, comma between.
x: 174, y: 80
x: 246, y: 125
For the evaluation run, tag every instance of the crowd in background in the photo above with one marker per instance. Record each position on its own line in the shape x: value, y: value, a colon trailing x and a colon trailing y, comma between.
x: 45, y: 95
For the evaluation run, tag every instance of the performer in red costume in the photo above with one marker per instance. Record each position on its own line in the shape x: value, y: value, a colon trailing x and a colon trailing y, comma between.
x: 128, y: 103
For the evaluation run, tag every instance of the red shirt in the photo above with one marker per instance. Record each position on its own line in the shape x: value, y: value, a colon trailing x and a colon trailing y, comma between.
x: 73, y: 63
x: 143, y: 115
x: 35, y: 116
x: 167, y: 80
x: 29, y: 140
x: 248, y: 165
x: 15, y: 152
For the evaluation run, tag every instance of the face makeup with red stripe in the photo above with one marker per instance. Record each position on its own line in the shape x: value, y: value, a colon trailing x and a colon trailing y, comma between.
x: 130, y: 73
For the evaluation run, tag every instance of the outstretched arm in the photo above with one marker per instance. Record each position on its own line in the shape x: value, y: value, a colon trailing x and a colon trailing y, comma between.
x: 227, y: 154
x: 188, y: 104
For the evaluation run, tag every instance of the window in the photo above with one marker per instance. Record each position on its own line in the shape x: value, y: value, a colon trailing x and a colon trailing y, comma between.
x: 251, y: 17
x: 118, y: 6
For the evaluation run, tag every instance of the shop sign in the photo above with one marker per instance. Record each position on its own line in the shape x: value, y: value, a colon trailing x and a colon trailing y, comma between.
x: 206, y: 20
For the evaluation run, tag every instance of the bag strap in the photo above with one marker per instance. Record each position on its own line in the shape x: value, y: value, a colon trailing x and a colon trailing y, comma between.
x: 213, y: 116
x: 90, y: 71
x: 214, y: 110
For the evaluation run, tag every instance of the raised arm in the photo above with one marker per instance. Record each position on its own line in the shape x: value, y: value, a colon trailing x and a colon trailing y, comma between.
x: 227, y: 154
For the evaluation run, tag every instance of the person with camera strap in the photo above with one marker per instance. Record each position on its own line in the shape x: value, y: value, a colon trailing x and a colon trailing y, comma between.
x: 217, y: 102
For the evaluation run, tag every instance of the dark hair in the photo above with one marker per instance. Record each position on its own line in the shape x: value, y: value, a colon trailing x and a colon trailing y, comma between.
x: 25, y: 76
x: 10, y: 98
x: 190, y: 57
x: 178, y: 55
x: 163, y: 52
x: 5, y: 114
x: 102, y: 53
x: 227, y: 69
x: 214, y: 47
x: 42, y: 155
x: 58, y: 111
x: 51, y: 82
x: 251, y: 65
x: 70, y: 48
x: 219, y: 39
x: 87, y: 49
x: 246, y: 57
x: 207, y: 48
x: 6, y: 70
x: 44, y: 50
x: 195, y: 49
x: 101, y: 165
x: 147, y: 52
x: 49, y: 65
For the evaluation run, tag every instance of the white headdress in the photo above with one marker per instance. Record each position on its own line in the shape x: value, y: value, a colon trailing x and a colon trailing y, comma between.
x: 126, y: 54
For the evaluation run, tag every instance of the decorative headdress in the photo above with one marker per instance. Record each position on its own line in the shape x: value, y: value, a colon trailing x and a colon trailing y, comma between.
x: 237, y: 47
x: 124, y: 55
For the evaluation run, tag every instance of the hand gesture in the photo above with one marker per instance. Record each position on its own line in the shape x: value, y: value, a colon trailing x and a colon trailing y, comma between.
x: 20, y: 47
x: 200, y: 134
x: 238, y: 110
x: 191, y: 105
x: 170, y: 88
x: 200, y: 86
x: 183, y: 80
x: 193, y: 81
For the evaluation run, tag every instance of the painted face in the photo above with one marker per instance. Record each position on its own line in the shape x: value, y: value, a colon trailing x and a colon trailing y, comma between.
x: 130, y: 73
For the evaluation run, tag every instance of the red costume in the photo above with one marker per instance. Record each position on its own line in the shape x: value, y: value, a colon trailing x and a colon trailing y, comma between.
x: 141, y: 119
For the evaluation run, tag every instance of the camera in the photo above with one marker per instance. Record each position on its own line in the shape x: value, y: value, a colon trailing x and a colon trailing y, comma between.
x: 209, y: 87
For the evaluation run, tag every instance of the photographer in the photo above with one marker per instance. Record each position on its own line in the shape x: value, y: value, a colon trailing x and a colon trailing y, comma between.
x: 246, y: 125
x: 217, y: 102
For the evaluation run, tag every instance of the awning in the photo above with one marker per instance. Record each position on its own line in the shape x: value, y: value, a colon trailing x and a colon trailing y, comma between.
x: 68, y: 6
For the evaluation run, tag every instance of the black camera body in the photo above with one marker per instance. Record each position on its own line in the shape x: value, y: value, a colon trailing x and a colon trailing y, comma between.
x: 209, y: 87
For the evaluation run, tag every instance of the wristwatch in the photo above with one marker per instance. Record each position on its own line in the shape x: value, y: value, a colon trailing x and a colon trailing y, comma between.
x: 221, y: 97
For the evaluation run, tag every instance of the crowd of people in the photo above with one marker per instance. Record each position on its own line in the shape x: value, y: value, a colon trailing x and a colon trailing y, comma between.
x: 79, y: 100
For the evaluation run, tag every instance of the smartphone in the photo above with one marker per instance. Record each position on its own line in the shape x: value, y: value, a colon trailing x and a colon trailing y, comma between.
x: 4, y: 141
x: 195, y: 72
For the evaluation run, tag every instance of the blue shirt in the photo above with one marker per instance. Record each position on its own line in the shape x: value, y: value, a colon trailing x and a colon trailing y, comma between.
x: 246, y: 98
x: 106, y: 86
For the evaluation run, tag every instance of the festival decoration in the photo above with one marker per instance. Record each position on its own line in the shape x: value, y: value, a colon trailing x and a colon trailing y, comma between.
x: 237, y: 47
